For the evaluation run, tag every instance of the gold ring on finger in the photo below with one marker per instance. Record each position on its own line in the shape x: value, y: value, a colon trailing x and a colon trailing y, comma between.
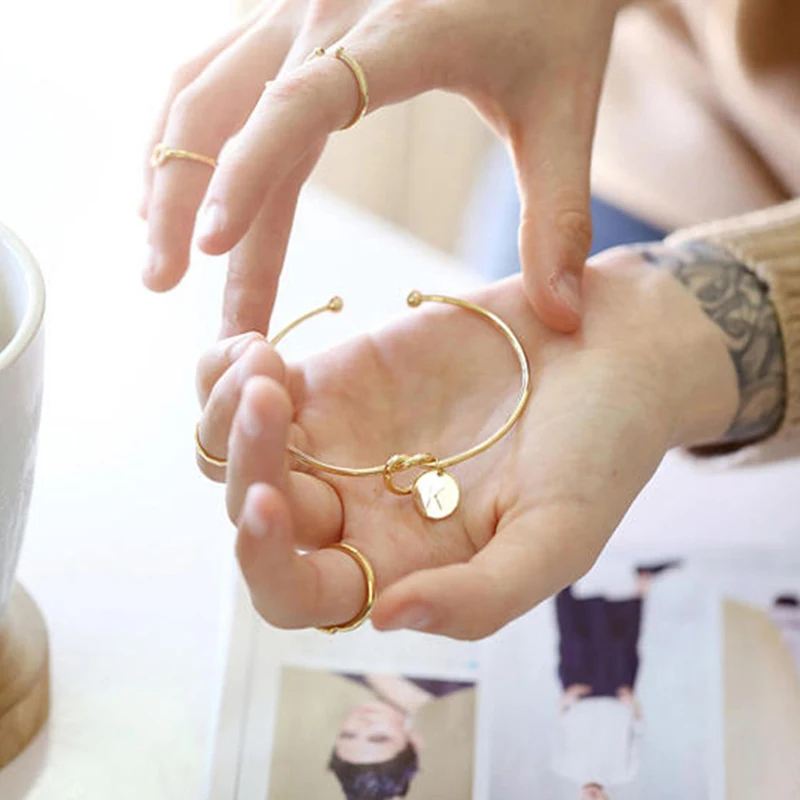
x: 204, y: 455
x: 341, y: 54
x: 162, y: 154
x: 368, y: 572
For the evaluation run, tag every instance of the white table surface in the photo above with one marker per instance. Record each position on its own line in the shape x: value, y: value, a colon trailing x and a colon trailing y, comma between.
x: 128, y: 549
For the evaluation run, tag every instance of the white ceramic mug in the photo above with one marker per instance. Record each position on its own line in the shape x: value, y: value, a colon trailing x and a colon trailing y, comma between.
x: 21, y: 371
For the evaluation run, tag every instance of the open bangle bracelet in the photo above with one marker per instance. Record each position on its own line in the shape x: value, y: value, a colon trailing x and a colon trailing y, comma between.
x: 435, y: 492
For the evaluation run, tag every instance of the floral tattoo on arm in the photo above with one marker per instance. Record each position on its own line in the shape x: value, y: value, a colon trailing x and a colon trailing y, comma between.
x: 739, y: 303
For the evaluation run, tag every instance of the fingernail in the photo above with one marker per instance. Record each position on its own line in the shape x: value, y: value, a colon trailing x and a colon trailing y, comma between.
x: 253, y: 523
x: 239, y: 347
x: 415, y: 618
x: 568, y: 286
x: 212, y: 220
x: 249, y: 419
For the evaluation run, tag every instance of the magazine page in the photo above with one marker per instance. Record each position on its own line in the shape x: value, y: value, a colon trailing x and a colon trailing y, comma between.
x: 315, y: 711
x: 657, y: 679
x: 598, y: 696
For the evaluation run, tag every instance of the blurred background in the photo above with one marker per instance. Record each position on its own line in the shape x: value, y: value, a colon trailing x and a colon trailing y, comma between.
x: 108, y: 65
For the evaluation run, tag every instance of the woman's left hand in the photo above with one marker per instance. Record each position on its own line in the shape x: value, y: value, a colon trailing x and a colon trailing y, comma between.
x: 647, y: 371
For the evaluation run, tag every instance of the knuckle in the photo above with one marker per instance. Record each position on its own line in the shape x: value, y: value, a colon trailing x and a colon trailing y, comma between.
x: 183, y: 76
x: 189, y: 106
x: 241, y: 316
x: 296, y: 89
x: 574, y: 226
x: 244, y: 308
x: 323, y: 14
x: 233, y: 321
x: 428, y: 20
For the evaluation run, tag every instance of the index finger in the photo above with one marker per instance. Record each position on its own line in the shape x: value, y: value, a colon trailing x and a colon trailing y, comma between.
x: 299, y: 111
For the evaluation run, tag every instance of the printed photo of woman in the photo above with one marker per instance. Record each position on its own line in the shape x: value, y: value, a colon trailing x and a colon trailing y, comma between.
x: 387, y: 736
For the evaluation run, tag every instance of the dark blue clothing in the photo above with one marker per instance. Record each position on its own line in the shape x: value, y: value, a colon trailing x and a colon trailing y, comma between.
x: 492, y: 222
x: 599, y: 642
x: 433, y: 687
x: 613, y: 227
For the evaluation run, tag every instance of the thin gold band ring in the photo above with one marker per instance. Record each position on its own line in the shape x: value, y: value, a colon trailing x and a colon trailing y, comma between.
x: 162, y: 154
x: 204, y: 454
x: 360, y: 76
x: 369, y: 580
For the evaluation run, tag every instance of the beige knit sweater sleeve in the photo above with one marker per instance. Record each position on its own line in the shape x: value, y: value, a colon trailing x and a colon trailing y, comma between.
x: 768, y: 242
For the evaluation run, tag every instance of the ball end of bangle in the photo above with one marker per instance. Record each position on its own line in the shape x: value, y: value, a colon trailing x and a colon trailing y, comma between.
x: 335, y: 304
x: 414, y: 299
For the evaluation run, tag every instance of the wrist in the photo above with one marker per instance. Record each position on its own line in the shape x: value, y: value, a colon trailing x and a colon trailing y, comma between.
x: 702, y: 375
x: 685, y: 350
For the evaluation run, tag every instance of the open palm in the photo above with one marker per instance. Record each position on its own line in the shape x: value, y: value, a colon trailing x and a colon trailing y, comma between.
x: 535, y: 510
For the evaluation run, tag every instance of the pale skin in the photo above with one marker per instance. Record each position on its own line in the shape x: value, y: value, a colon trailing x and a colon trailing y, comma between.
x: 593, y: 791
x: 536, y: 509
x: 378, y: 731
x: 372, y: 733
x: 608, y: 401
x: 533, y: 69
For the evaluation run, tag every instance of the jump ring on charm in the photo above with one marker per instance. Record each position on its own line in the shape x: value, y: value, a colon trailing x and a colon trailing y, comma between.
x: 162, y: 154
x: 369, y: 580
x: 401, y: 463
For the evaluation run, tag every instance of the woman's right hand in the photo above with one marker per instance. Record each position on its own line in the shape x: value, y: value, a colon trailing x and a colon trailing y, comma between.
x: 532, y: 68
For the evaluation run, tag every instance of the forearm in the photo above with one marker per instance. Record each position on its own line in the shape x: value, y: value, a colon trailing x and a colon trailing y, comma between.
x: 398, y: 691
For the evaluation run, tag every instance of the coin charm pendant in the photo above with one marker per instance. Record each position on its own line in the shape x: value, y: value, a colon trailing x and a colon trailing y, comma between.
x: 436, y: 494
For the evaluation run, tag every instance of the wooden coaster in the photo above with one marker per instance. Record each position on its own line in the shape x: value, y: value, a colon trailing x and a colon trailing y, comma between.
x: 24, y: 674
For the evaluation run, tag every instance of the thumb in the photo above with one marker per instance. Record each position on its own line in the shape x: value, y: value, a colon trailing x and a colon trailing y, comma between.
x: 552, y: 159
